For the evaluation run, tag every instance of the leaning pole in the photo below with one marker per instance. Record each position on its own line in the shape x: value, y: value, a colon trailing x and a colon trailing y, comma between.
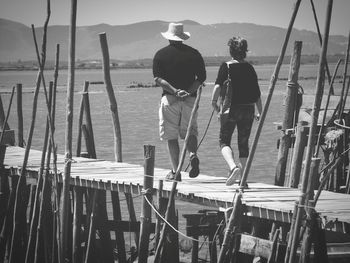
x: 68, y: 136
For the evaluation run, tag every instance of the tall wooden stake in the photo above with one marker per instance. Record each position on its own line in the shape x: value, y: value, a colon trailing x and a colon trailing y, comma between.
x: 146, y: 211
x: 273, y: 81
x: 19, y: 115
x: 112, y: 100
x: 7, y: 116
x: 68, y: 136
x: 289, y: 113
x: 312, y: 131
x: 173, y: 188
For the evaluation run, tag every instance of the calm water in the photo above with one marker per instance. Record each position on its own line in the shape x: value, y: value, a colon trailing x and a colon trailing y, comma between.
x: 138, y: 113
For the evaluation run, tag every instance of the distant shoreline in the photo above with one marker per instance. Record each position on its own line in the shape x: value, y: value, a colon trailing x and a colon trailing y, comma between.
x: 147, y: 63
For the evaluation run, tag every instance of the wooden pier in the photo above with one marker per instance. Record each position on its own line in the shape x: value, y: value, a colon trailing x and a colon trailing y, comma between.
x: 260, y: 200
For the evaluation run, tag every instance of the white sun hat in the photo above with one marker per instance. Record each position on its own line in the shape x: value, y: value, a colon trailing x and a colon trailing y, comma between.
x: 176, y: 32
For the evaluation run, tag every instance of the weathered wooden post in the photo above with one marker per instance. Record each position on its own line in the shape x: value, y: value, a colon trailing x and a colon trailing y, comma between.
x: 4, y: 187
x: 312, y: 132
x: 298, y: 153
x: 68, y: 136
x: 289, y: 113
x: 117, y: 217
x: 19, y: 115
x: 2, y: 115
x: 273, y: 81
x: 80, y: 123
x: 146, y: 210
x: 7, y: 117
x: 132, y: 215
x: 112, y: 100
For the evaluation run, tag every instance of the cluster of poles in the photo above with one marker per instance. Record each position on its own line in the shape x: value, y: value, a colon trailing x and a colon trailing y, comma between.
x: 49, y: 236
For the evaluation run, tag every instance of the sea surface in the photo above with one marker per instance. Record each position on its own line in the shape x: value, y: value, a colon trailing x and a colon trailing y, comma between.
x: 138, y: 113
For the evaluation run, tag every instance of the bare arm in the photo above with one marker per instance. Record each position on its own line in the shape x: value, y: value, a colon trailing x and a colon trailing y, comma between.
x: 258, y: 105
x: 168, y: 87
x: 215, y: 97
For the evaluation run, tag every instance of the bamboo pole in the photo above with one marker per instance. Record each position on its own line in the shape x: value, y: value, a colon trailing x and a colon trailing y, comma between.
x: 68, y: 134
x: 146, y: 210
x: 174, y: 185
x: 273, y: 81
x: 92, y: 228
x: 78, y: 212
x: 231, y: 228
x: 7, y: 227
x: 343, y: 93
x: 112, y: 100
x: 313, y: 126
x: 4, y: 187
x: 326, y: 107
x: 31, y: 244
x: 45, y: 191
x: 308, y: 235
x: 158, y: 219
x: 290, y: 236
x: 289, y: 112
x: 7, y: 116
x: 19, y: 115
x: 273, y: 253
x: 331, y: 90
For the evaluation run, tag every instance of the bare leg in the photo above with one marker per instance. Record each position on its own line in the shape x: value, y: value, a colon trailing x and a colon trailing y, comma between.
x: 192, y: 144
x: 243, y: 161
x: 227, y: 153
x: 174, y: 151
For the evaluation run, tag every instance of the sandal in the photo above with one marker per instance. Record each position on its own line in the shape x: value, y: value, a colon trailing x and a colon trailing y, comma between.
x: 194, y: 161
x: 232, y: 176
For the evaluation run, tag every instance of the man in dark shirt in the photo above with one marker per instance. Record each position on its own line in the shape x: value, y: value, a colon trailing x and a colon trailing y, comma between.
x: 179, y: 69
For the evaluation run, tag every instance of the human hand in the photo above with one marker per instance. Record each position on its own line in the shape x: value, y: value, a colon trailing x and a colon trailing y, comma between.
x: 257, y: 117
x: 182, y: 93
x: 214, y: 104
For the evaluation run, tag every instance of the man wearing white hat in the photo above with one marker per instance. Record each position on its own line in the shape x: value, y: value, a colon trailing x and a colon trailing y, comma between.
x: 179, y: 69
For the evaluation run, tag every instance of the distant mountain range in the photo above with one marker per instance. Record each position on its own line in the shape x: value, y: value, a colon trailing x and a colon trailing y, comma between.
x: 142, y: 40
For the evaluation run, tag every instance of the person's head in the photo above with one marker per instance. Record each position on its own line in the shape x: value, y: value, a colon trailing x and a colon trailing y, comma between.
x: 176, y: 33
x: 238, y: 47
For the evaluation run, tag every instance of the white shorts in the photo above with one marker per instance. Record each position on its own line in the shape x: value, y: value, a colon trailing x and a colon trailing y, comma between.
x: 174, y: 117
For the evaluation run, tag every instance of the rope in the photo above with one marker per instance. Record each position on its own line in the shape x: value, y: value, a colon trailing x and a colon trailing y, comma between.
x: 205, y: 133
x: 336, y: 122
x: 173, y: 228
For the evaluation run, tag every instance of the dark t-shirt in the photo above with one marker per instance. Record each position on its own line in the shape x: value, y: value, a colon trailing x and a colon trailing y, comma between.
x: 180, y: 65
x: 245, y: 87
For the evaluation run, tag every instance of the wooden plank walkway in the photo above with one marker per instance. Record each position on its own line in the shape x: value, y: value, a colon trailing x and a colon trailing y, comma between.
x: 261, y: 200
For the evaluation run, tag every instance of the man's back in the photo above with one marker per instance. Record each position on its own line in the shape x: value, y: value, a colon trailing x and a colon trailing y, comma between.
x: 179, y: 64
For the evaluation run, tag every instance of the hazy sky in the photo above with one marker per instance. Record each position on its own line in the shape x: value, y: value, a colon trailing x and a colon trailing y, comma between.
x: 119, y: 12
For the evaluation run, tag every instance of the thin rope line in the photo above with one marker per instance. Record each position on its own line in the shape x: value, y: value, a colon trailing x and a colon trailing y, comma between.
x: 171, y: 226
x: 336, y: 122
